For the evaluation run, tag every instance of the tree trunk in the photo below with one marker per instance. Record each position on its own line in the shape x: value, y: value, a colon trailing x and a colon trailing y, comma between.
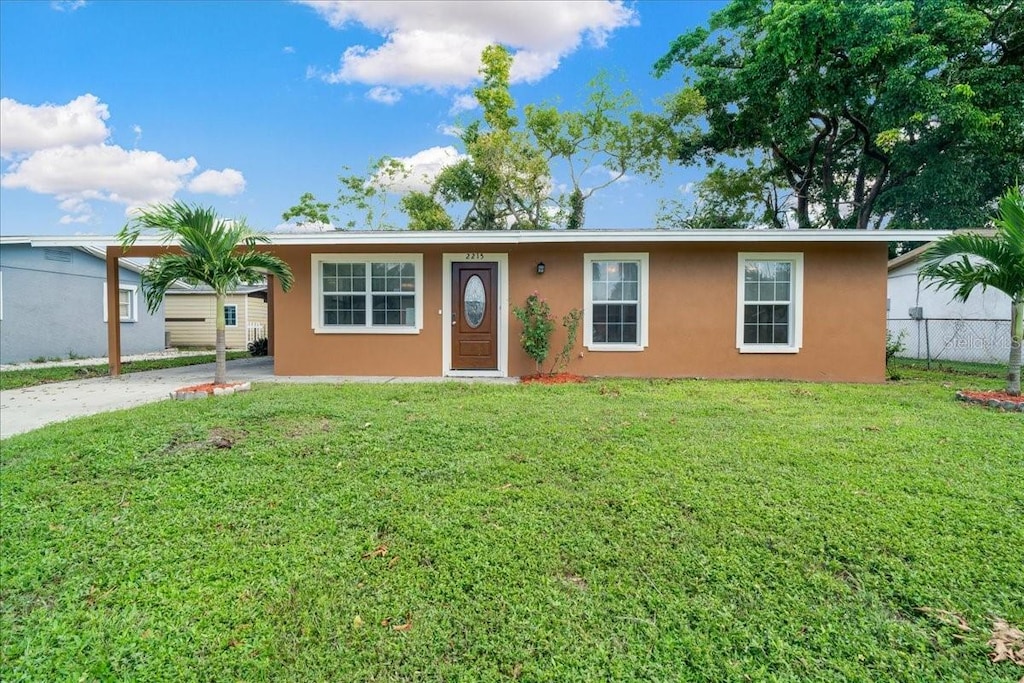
x: 1016, y: 341
x: 221, y: 374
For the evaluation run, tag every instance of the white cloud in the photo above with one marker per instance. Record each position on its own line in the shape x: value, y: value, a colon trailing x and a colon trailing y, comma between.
x: 436, y: 60
x: 463, y: 103
x: 421, y: 169
x: 227, y: 182
x: 67, y: 5
x: 530, y: 67
x: 450, y: 131
x: 438, y: 44
x: 288, y: 50
x: 24, y: 128
x: 63, y: 151
x: 383, y: 95
x: 105, y: 172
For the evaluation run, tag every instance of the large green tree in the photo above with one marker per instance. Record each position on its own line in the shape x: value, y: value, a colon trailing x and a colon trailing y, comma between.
x: 600, y: 144
x: 215, y: 252
x: 505, y: 178
x: 729, y: 198
x: 965, y: 261
x: 905, y: 113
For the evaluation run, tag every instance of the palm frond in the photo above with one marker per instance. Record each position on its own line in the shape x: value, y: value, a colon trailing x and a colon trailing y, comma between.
x: 221, y: 254
x: 965, y: 261
x: 264, y: 263
x: 162, y: 274
x: 1010, y: 221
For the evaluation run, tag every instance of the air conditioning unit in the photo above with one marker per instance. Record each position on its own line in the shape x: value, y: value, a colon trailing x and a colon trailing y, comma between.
x: 916, y: 313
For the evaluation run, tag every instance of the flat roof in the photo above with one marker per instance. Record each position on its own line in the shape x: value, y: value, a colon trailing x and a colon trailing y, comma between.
x: 513, y: 237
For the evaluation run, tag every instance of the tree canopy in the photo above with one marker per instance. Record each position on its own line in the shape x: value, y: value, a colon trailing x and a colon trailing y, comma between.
x: 903, y: 114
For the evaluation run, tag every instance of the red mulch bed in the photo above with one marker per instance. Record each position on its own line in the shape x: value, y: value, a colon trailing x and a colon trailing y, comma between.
x: 207, y: 388
x: 556, y: 378
x: 997, y: 395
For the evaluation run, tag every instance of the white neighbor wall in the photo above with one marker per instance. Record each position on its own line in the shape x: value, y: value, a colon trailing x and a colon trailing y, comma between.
x: 960, y: 331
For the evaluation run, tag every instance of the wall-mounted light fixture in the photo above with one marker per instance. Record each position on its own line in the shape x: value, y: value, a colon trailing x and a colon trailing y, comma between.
x: 540, y: 268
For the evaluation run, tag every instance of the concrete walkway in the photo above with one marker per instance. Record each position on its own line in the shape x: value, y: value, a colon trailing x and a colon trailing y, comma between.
x: 22, y: 410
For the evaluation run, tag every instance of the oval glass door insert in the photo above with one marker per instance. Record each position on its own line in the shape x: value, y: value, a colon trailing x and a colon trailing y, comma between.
x: 474, y: 301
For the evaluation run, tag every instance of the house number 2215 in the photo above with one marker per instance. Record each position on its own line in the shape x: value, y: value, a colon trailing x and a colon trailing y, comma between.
x: 474, y: 256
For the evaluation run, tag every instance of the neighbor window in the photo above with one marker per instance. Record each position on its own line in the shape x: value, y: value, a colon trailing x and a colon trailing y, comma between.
x: 368, y: 293
x: 769, y: 316
x: 127, y: 303
x: 231, y: 315
x: 615, y: 295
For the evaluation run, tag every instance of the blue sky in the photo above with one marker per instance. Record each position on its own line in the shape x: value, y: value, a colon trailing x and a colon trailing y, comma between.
x: 246, y: 105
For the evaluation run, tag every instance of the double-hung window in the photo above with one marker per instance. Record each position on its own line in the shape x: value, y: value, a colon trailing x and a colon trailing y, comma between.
x: 127, y: 303
x: 230, y: 315
x: 615, y: 294
x: 368, y: 293
x: 770, y: 294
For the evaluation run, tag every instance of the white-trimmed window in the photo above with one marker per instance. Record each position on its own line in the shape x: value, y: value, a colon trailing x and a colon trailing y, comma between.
x: 230, y: 315
x: 127, y: 303
x: 770, y: 302
x: 615, y: 294
x: 368, y: 293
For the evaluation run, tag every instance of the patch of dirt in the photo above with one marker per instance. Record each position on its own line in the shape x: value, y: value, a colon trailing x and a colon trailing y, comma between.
x: 221, y: 437
x: 575, y: 581
x: 218, y: 437
x: 305, y: 427
x: 553, y: 378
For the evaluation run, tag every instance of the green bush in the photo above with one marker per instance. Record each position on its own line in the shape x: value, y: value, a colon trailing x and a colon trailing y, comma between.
x: 259, y: 347
x: 537, y: 328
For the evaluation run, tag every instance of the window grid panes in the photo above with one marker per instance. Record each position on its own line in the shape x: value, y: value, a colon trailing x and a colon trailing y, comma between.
x: 383, y: 293
x: 767, y: 302
x: 615, y: 297
x: 124, y: 304
x: 231, y: 315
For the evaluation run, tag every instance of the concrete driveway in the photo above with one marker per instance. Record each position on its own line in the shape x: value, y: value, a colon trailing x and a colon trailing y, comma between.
x: 22, y: 410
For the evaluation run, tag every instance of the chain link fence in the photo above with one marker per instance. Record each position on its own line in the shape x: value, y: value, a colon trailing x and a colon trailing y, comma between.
x: 960, y: 340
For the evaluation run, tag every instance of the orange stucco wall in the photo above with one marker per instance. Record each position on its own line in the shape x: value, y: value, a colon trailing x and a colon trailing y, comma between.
x: 692, y: 315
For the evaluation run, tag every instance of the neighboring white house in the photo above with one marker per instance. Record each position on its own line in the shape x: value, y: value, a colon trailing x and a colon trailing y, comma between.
x: 938, y: 327
x: 191, y: 316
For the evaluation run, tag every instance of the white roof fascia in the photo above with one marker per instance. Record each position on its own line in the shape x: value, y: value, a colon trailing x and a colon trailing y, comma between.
x: 101, y: 254
x: 514, y: 237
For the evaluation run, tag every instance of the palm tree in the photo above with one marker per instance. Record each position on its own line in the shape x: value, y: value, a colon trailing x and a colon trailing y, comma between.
x: 216, y: 252
x: 963, y: 261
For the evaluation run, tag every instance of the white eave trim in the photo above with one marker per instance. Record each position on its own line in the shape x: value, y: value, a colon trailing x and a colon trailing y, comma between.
x: 393, y: 238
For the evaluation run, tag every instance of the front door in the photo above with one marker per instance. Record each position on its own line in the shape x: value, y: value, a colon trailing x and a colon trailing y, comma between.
x: 474, y: 316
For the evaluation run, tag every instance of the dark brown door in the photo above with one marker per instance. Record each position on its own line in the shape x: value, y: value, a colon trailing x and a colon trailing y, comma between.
x: 474, y: 316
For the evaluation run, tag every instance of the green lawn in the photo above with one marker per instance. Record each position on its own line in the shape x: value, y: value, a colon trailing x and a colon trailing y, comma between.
x: 30, y: 377
x: 617, y: 530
